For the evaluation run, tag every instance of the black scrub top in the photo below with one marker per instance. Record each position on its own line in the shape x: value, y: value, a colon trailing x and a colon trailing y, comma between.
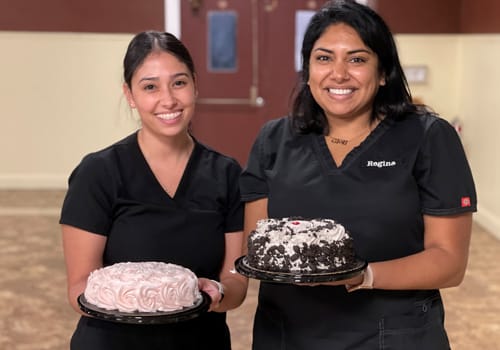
x: 114, y: 193
x: 405, y: 168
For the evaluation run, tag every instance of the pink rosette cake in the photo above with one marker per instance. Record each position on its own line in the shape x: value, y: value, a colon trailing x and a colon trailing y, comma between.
x: 142, y: 287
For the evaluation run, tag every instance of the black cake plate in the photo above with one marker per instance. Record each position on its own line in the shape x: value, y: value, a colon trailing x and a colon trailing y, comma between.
x: 160, y: 317
x: 283, y: 277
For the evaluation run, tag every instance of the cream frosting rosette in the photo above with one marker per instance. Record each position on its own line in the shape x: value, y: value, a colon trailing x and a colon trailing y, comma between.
x: 142, y: 287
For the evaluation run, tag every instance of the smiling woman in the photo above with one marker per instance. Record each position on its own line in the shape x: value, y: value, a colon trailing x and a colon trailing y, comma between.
x: 163, y: 91
x: 355, y: 149
x: 158, y: 195
x: 344, y: 77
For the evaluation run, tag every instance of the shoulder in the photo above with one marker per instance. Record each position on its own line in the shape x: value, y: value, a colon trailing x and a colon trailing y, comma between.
x: 279, y: 126
x: 429, y: 133
x: 110, y: 152
x: 429, y: 120
x: 422, y: 124
x: 105, y: 161
x: 274, y: 133
x: 437, y: 128
x: 213, y: 158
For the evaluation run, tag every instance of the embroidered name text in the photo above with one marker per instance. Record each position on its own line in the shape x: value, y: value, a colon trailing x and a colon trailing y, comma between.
x: 381, y: 163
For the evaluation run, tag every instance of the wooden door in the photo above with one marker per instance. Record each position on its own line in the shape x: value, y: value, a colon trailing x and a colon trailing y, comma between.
x: 247, y: 77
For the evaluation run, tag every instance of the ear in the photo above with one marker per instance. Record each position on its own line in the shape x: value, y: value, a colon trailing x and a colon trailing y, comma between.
x: 195, y: 82
x: 382, y: 81
x: 128, y: 95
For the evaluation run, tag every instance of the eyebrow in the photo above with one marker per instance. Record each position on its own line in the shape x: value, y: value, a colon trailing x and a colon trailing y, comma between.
x: 349, y: 52
x: 173, y: 76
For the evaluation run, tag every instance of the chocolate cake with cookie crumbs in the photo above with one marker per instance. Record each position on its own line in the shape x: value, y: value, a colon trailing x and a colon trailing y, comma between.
x: 297, y: 245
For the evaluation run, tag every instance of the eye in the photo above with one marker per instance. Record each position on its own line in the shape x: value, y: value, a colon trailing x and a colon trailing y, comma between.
x: 322, y: 59
x: 358, y: 59
x: 149, y: 87
x: 180, y: 83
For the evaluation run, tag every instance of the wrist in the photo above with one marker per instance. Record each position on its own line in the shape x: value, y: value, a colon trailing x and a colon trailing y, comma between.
x: 220, y: 288
x: 367, y: 282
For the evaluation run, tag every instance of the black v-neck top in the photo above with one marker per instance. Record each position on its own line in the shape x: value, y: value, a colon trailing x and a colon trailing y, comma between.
x: 404, y: 169
x: 113, y: 192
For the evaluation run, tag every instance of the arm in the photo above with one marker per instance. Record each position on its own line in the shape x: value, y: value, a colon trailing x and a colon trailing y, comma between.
x: 235, y: 285
x: 443, y: 260
x: 235, y: 247
x: 83, y: 253
x: 441, y: 264
x: 254, y: 211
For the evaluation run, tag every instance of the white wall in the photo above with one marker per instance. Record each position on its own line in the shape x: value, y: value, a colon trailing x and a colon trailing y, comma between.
x: 60, y: 95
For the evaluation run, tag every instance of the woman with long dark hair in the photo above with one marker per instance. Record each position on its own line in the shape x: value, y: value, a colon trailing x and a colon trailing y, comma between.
x: 357, y: 150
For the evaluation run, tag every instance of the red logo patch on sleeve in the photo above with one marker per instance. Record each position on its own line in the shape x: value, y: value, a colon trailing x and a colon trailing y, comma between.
x: 465, y: 202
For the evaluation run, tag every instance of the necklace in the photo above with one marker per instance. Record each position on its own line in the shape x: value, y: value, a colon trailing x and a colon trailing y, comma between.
x: 338, y: 141
x: 344, y: 142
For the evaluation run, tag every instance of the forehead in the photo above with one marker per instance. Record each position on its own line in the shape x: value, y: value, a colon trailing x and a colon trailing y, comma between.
x: 161, y: 61
x: 339, y: 33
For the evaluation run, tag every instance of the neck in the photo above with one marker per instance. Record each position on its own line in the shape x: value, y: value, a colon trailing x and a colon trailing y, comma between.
x: 162, y: 147
x: 346, y: 133
x: 350, y: 133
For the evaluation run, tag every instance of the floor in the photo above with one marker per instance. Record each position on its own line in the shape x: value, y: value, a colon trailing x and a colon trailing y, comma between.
x: 34, y: 314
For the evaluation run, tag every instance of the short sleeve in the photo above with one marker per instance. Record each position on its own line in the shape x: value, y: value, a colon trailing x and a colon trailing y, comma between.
x: 253, y: 182
x: 89, y: 200
x: 234, y: 217
x: 443, y: 174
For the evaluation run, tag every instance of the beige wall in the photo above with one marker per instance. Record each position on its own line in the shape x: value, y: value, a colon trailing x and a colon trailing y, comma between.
x: 60, y: 98
x: 479, y: 98
x: 463, y: 84
x: 440, y: 54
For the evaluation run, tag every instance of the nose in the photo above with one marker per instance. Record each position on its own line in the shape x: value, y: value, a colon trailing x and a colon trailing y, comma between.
x: 339, y: 71
x: 167, y: 97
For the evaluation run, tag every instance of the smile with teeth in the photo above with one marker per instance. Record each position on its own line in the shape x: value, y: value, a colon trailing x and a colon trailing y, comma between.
x: 169, y: 116
x: 340, y: 91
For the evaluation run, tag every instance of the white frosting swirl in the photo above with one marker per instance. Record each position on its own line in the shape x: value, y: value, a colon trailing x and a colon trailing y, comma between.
x: 302, y: 231
x: 143, y: 287
x: 286, y: 243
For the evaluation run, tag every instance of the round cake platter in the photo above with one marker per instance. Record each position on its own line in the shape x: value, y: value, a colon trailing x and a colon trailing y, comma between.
x: 245, y: 269
x: 160, y: 317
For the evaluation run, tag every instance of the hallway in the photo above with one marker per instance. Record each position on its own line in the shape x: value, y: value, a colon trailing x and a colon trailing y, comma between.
x: 34, y: 313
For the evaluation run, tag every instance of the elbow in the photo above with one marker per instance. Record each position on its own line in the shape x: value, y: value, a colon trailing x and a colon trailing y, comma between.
x: 459, y: 278
x: 456, y: 278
